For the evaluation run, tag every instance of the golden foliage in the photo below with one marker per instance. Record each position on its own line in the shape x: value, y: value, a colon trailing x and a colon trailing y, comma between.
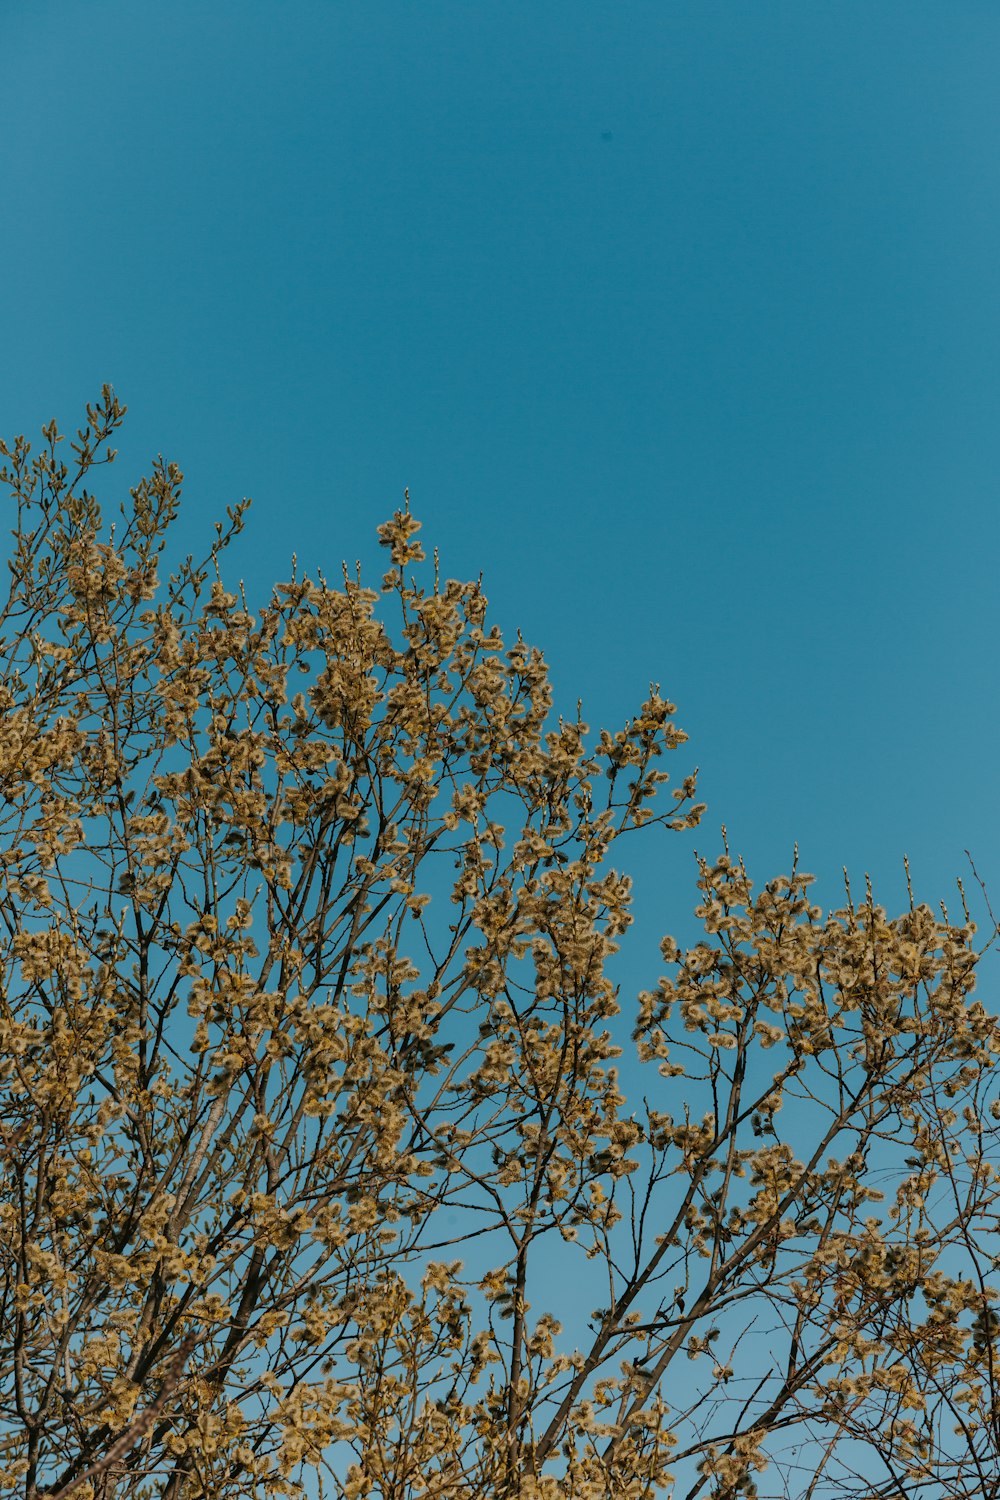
x: 309, y: 1057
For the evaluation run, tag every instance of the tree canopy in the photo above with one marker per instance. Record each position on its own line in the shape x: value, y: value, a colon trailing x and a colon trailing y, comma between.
x: 335, y: 1161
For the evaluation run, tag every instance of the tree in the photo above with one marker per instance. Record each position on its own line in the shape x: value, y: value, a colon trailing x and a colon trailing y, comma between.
x: 310, y: 1058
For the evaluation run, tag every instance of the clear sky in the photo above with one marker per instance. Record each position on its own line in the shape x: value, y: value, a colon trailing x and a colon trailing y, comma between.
x: 681, y: 321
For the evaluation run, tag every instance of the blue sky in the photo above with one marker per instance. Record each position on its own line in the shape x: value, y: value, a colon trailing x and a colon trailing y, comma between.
x: 680, y: 320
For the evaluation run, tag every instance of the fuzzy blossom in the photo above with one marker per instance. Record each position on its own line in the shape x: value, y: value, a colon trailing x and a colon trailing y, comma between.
x: 338, y: 1154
